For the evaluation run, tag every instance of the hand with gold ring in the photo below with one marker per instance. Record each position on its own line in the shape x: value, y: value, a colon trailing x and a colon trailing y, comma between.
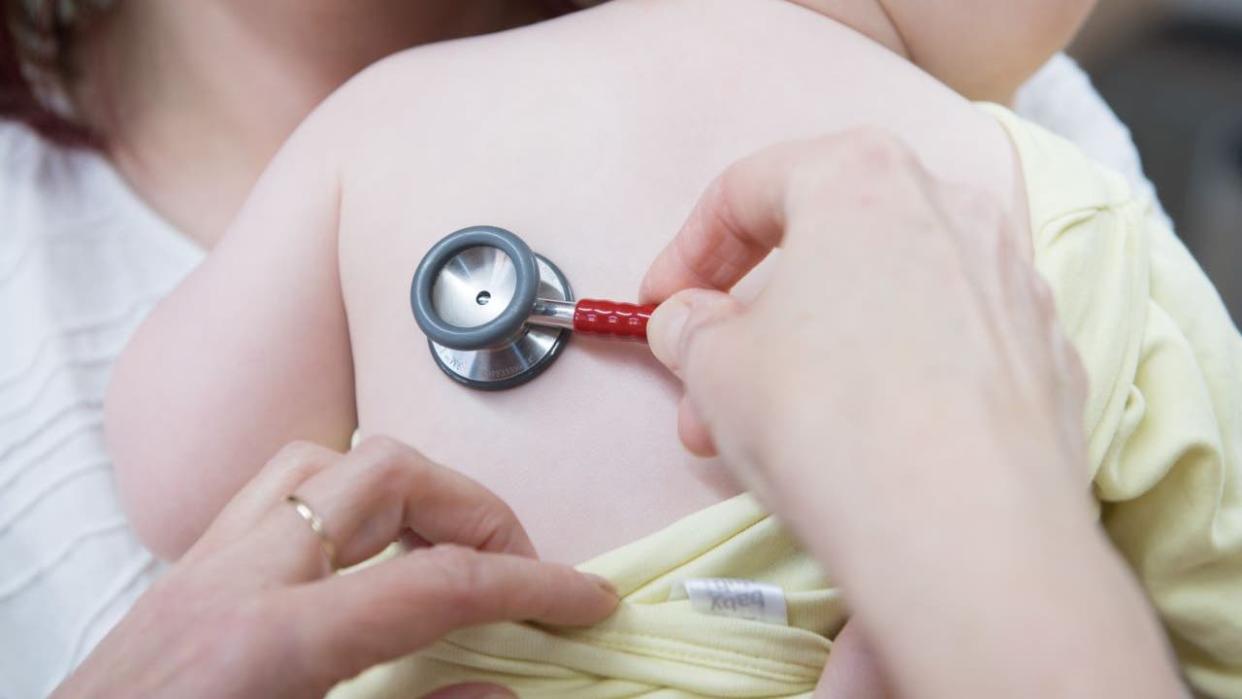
x: 252, y: 610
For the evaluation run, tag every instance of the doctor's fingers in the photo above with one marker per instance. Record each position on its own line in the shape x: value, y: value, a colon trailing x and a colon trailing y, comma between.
x: 710, y: 340
x: 746, y: 212
x: 366, y: 501
x: 348, y: 623
x: 292, y: 466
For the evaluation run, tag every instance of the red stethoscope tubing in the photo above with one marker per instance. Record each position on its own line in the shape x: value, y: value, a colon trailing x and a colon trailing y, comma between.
x: 612, y: 318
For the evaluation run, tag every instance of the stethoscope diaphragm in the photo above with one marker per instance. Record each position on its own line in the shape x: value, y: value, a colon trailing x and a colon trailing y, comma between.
x: 496, y: 314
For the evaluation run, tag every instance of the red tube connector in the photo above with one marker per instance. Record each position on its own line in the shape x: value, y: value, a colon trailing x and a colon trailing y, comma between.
x: 599, y: 317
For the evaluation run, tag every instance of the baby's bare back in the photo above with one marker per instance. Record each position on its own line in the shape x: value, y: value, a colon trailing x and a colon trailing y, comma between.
x: 592, y: 137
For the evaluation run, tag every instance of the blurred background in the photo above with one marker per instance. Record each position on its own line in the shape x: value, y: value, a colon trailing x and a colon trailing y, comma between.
x: 1172, y: 69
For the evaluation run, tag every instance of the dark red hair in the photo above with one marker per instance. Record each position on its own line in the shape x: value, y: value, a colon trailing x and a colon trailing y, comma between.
x: 17, y: 98
x: 19, y: 102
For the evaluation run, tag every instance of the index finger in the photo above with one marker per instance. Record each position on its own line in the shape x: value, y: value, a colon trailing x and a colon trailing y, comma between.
x: 744, y: 214
x: 737, y: 222
x: 348, y: 623
x: 365, y: 502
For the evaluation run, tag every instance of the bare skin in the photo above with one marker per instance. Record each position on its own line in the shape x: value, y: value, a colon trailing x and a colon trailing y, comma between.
x: 590, y: 136
x: 592, y: 441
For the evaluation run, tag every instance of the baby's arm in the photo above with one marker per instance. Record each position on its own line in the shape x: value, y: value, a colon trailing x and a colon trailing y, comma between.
x: 249, y: 353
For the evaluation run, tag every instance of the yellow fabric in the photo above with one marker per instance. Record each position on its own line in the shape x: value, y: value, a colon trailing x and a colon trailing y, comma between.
x: 1163, y: 419
x: 1164, y: 416
x: 652, y: 647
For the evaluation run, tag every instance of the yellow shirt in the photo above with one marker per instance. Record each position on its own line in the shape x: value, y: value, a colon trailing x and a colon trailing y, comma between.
x: 1163, y: 421
x: 654, y: 645
x: 1164, y: 414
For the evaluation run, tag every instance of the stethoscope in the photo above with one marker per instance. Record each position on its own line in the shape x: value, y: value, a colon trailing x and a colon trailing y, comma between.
x: 496, y: 314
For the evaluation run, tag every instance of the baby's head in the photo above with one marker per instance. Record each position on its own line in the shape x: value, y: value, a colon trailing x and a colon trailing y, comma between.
x: 983, y: 49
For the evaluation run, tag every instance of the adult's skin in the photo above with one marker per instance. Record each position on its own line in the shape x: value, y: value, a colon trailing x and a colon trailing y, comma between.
x: 250, y: 610
x: 911, y: 410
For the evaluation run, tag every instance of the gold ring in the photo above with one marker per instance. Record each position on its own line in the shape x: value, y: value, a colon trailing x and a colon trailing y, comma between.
x: 316, y: 525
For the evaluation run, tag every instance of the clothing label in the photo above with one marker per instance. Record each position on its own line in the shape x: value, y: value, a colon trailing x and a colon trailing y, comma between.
x: 740, y: 599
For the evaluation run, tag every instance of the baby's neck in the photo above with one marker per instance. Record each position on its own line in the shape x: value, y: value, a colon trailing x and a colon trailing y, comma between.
x: 867, y: 17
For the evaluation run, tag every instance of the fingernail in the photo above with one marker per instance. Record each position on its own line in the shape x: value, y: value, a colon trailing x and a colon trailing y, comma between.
x: 668, y: 322
x: 603, y: 583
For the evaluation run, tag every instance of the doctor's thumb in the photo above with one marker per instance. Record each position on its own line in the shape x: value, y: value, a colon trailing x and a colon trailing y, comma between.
x: 695, y: 334
x: 684, y: 320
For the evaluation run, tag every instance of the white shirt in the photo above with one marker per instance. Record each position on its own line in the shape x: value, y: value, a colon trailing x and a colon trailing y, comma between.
x: 82, y: 261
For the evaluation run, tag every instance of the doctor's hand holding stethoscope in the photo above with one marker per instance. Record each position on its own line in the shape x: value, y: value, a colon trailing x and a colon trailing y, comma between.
x: 901, y: 396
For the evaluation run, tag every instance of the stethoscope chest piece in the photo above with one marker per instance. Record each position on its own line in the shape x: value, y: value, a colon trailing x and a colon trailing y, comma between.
x: 472, y: 295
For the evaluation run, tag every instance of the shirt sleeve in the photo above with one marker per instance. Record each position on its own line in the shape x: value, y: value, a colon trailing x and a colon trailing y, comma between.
x: 1163, y: 418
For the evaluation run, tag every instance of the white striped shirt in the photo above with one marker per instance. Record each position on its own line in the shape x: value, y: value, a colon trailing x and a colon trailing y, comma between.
x: 81, y: 263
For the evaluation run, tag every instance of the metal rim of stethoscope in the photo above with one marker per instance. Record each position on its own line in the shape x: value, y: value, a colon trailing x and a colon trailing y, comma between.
x: 450, y: 294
